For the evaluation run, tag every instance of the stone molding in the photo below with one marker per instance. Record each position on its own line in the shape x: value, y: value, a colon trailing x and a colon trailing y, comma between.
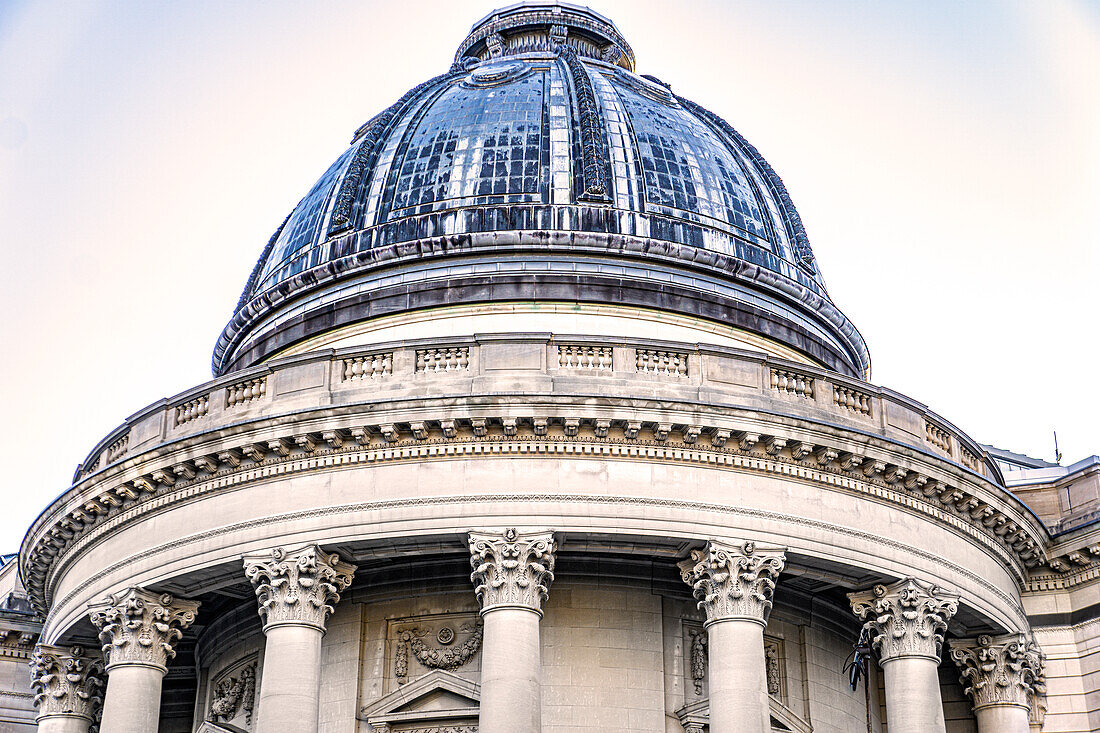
x: 906, y: 619
x: 138, y: 627
x: 1002, y: 670
x: 512, y: 569
x: 734, y: 582
x: 914, y: 492
x: 1010, y: 604
x: 297, y: 587
x: 67, y: 682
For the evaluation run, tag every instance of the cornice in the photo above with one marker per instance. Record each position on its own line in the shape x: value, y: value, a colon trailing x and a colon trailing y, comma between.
x: 781, y: 435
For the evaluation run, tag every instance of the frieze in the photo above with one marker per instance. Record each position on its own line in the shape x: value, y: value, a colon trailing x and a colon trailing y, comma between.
x: 931, y: 496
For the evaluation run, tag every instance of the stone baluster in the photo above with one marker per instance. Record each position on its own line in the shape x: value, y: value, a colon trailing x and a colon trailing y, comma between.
x: 68, y: 688
x: 512, y: 572
x: 297, y: 590
x: 139, y: 630
x: 1002, y: 675
x: 907, y: 621
x: 734, y: 585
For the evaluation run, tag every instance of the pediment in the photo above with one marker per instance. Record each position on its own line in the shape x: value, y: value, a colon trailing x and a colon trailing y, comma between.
x: 208, y: 727
x: 439, y: 695
x: 783, y: 719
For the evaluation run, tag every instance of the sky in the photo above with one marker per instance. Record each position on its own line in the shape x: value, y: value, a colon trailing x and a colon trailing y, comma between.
x: 944, y: 157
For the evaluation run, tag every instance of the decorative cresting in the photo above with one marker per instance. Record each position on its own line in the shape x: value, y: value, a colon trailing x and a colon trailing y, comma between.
x: 66, y: 682
x: 1002, y: 670
x: 297, y: 587
x: 734, y: 582
x: 593, y: 149
x: 512, y: 569
x: 139, y: 627
x: 907, y: 618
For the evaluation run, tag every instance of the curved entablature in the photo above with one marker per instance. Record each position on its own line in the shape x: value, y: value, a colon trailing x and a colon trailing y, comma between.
x: 699, y: 411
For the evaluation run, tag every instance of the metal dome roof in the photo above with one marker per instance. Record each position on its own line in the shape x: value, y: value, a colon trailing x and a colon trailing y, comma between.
x: 539, y: 125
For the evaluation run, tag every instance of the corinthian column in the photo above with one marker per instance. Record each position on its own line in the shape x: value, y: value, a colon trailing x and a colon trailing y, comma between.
x: 139, y: 631
x: 512, y: 572
x: 1001, y: 675
x: 297, y: 590
x: 734, y: 585
x: 67, y: 688
x: 907, y: 621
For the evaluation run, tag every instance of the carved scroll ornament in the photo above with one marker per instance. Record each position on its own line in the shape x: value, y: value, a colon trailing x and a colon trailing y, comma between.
x: 66, y: 682
x: 906, y: 619
x: 733, y: 581
x: 140, y: 627
x: 298, y: 587
x: 1005, y: 670
x: 512, y: 569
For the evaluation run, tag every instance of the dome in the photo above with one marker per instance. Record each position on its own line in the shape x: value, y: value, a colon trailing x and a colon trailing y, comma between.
x: 541, y: 166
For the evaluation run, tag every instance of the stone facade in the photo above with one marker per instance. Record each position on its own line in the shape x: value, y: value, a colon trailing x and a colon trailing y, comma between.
x: 645, y: 488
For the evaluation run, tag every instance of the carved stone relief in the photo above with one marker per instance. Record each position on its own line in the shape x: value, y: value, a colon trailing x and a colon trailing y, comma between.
x: 696, y: 656
x: 234, y: 695
x: 421, y: 644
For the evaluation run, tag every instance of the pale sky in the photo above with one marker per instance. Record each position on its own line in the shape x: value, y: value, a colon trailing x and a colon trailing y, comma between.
x: 944, y: 156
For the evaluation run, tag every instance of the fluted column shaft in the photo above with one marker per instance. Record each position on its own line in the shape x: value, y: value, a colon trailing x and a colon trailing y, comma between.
x: 68, y: 687
x: 297, y: 589
x: 139, y: 630
x: 734, y: 585
x: 1001, y: 675
x: 907, y: 621
x: 512, y: 572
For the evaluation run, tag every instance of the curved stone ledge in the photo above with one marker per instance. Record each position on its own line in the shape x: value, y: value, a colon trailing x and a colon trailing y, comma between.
x: 576, y: 396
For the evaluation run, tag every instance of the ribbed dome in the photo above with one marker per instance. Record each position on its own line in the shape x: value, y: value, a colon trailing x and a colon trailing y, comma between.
x: 540, y: 125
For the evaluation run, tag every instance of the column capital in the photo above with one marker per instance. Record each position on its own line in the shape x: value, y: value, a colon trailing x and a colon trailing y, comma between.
x: 297, y: 587
x: 906, y: 619
x: 734, y: 581
x: 140, y: 627
x: 512, y: 569
x: 67, y: 682
x: 1000, y: 670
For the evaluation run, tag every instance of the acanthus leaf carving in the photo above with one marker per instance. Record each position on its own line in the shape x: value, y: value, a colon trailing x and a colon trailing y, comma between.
x: 1003, y: 670
x: 66, y: 682
x: 733, y: 581
x: 907, y: 618
x: 137, y: 626
x: 299, y: 586
x: 511, y: 568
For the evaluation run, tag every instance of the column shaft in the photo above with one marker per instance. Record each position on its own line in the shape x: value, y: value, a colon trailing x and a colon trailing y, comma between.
x: 290, y: 687
x: 1003, y: 719
x: 510, y: 663
x: 738, y: 678
x: 63, y: 724
x: 913, y: 702
x: 132, y: 704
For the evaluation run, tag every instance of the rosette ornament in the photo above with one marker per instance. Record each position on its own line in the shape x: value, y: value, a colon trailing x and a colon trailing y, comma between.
x: 297, y: 587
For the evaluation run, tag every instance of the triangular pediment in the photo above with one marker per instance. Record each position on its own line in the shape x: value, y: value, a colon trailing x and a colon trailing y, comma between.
x: 437, y: 695
x: 783, y: 718
x: 208, y: 727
